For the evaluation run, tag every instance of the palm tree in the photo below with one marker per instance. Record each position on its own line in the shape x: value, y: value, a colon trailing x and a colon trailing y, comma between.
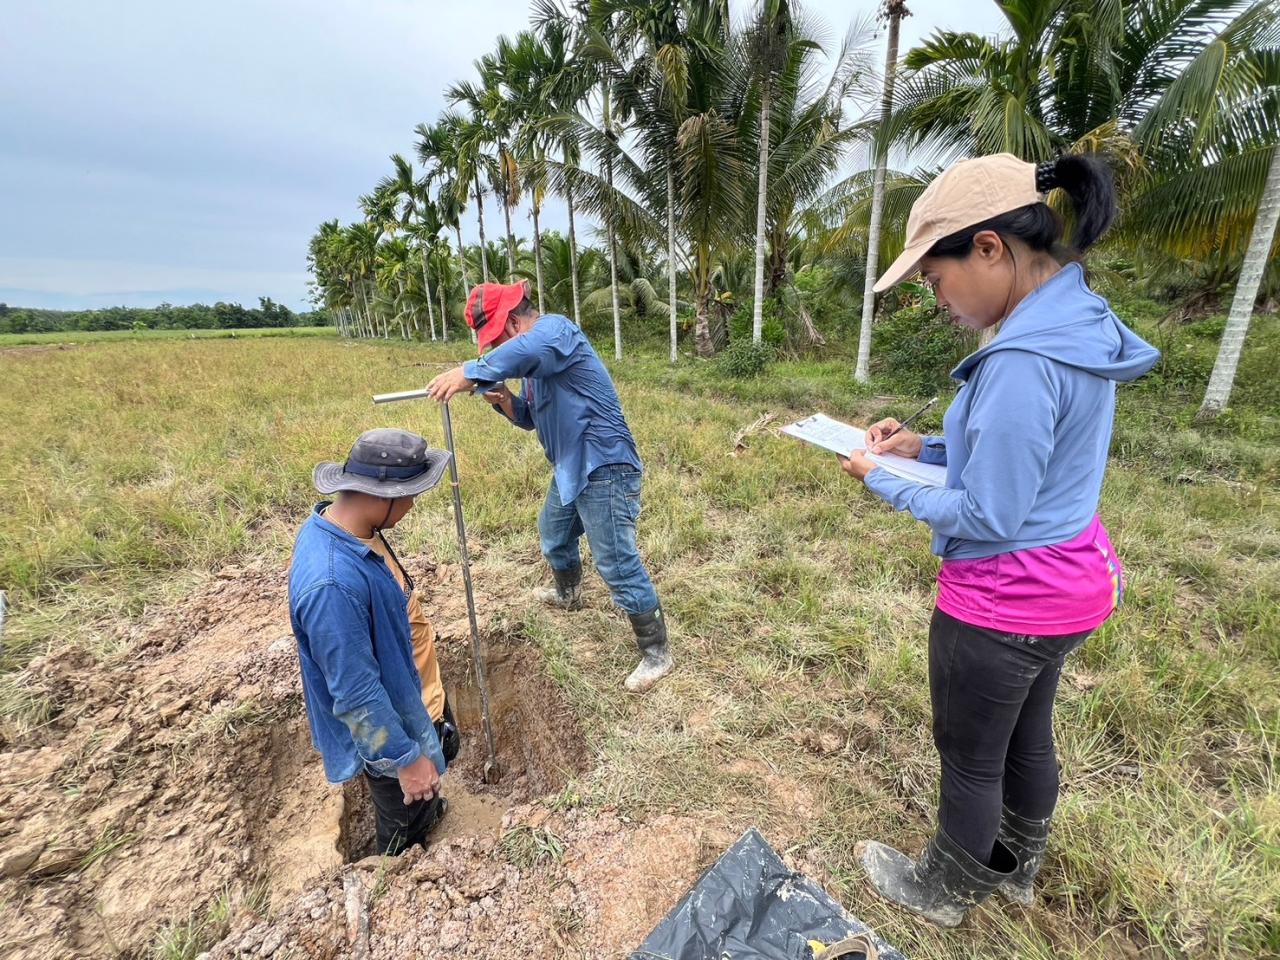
x: 492, y: 117
x: 530, y: 67
x: 598, y: 25
x: 769, y: 41
x: 453, y: 151
x: 809, y: 136
x: 656, y: 90
x: 416, y: 215
x: 566, y: 85
x: 678, y: 95
x: 392, y: 269
x: 1255, y: 261
x: 328, y: 263
x: 565, y: 271
x: 1178, y: 92
x: 440, y: 150
x: 362, y: 243
x: 893, y: 11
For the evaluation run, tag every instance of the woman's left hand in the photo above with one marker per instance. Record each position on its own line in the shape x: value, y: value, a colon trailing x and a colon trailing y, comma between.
x: 856, y: 465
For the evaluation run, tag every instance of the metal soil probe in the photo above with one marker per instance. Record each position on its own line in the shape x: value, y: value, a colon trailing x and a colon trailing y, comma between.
x: 491, y: 769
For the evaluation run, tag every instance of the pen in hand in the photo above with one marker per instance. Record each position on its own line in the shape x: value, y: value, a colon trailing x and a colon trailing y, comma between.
x: 907, y: 422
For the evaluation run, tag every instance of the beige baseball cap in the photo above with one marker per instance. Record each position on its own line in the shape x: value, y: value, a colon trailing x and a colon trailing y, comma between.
x: 966, y: 193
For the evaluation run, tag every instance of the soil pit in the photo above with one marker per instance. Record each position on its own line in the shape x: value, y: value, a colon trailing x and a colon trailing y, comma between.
x: 538, y: 744
x: 181, y: 772
x: 178, y: 780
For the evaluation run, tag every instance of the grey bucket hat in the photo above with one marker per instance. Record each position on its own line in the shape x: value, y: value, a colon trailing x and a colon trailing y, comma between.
x: 384, y: 463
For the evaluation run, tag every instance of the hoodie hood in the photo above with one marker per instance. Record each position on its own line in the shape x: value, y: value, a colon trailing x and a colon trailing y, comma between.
x: 1063, y: 320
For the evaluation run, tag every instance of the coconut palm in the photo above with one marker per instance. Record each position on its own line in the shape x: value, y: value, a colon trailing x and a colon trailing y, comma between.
x: 392, y: 268
x: 416, y: 215
x: 770, y: 39
x: 892, y: 11
x: 328, y: 264
x: 652, y: 89
x: 1255, y: 259
x: 688, y: 139
x: 362, y: 248
x: 1181, y: 93
x: 809, y: 133
x: 566, y: 271
x: 491, y: 129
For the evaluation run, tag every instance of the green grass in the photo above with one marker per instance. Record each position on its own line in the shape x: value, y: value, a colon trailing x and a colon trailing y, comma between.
x: 188, y: 938
x: 799, y: 607
x: 526, y: 846
x: 110, y: 336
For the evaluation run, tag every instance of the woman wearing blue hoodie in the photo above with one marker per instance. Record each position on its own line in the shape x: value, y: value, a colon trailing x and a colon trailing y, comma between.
x: 1027, y: 568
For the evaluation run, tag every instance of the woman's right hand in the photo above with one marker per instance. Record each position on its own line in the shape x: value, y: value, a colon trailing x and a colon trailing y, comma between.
x: 904, y: 443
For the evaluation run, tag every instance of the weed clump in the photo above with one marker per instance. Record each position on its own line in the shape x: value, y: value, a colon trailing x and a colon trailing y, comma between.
x: 744, y: 358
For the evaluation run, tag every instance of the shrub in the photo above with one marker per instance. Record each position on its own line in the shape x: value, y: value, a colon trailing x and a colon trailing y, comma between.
x: 916, y: 348
x: 746, y: 359
x: 773, y: 331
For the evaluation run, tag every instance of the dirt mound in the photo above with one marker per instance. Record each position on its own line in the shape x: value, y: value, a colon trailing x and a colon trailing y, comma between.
x: 555, y: 885
x: 178, y: 779
x: 175, y: 774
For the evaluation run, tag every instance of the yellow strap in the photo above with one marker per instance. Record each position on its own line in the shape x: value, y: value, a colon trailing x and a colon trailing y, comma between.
x: 858, y: 943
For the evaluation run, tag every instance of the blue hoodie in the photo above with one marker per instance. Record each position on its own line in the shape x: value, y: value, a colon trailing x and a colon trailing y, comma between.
x: 1025, y: 441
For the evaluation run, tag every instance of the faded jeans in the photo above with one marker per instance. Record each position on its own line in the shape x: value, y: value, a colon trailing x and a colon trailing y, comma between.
x: 606, y: 511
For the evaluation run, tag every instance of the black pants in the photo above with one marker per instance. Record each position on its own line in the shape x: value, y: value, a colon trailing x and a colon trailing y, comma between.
x: 398, y: 826
x: 992, y: 699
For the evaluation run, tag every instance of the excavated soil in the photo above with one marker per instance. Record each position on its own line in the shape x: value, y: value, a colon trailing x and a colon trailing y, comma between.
x: 180, y: 774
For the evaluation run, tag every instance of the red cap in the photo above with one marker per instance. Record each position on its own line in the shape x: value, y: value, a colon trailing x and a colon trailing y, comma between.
x: 488, y: 308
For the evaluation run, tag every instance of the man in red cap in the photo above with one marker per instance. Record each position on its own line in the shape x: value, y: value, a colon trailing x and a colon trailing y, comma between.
x: 569, y: 399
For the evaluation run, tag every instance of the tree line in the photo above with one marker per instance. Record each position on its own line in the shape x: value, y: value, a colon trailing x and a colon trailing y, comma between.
x: 197, y: 316
x: 719, y: 161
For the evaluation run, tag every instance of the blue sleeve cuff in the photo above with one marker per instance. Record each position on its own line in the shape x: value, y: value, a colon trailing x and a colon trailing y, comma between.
x: 888, y: 486
x: 391, y: 766
x: 933, y: 450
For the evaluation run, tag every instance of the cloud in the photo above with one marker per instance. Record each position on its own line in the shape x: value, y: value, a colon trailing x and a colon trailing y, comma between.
x: 160, y: 147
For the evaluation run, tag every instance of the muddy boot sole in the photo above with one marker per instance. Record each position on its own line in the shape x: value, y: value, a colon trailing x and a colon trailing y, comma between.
x: 550, y: 597
x: 649, y: 671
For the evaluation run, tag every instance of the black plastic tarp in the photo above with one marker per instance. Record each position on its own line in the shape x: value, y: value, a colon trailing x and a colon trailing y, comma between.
x: 749, y: 906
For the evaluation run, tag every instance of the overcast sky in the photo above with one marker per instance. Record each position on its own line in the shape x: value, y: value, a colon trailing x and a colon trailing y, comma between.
x: 155, y: 151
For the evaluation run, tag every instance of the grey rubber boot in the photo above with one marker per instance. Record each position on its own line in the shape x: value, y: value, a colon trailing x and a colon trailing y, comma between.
x: 943, y: 885
x: 567, y: 593
x: 656, y: 660
x: 1026, y: 840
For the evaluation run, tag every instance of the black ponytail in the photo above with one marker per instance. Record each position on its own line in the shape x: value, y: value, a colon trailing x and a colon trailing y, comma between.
x: 1085, y: 179
x: 1089, y: 184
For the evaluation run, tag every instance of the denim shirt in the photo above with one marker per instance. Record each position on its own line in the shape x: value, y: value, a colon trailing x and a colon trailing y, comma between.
x: 567, y: 396
x: 359, y: 682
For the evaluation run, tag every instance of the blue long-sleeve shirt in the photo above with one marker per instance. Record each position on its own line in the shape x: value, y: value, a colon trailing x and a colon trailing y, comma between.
x: 355, y: 650
x: 1025, y: 441
x: 567, y: 396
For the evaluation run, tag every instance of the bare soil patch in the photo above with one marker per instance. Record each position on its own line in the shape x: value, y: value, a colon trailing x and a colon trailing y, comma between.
x: 181, y: 773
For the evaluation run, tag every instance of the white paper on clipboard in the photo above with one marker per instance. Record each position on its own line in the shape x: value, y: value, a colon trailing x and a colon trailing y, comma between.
x: 842, y: 438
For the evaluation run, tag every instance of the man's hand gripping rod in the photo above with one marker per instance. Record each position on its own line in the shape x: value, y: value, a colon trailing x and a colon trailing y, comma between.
x: 491, y: 768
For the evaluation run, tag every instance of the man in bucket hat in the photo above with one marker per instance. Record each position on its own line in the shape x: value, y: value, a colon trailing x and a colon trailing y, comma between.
x: 568, y: 398
x: 370, y: 678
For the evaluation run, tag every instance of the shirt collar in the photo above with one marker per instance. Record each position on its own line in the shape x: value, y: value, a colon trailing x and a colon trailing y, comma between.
x: 361, y: 548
